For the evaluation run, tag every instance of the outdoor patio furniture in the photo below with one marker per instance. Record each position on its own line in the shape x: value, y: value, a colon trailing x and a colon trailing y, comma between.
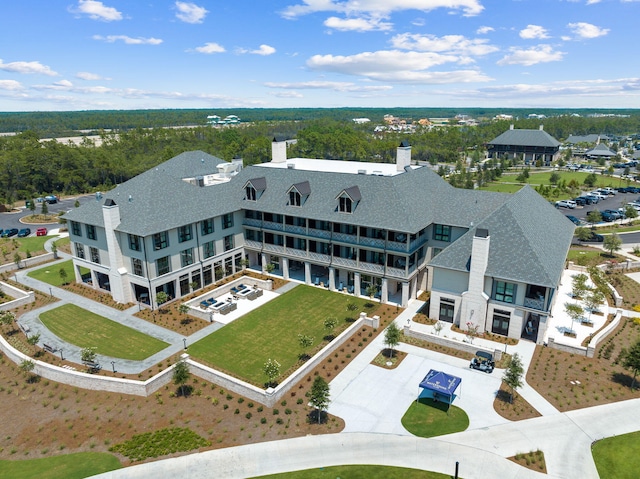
x: 204, y: 304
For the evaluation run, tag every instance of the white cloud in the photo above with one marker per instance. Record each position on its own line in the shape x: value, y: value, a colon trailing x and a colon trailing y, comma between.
x: 380, y: 7
x: 210, y: 47
x: 357, y: 24
x: 96, y: 11
x: 484, y: 30
x: 190, y: 12
x: 27, y: 68
x: 128, y: 40
x: 286, y: 94
x: 456, y: 44
x: 10, y: 85
x: 328, y: 85
x: 89, y: 76
x: 531, y: 56
x: 534, y: 31
x: 395, y: 66
x: 593, y: 2
x: 264, y: 50
x: 587, y: 30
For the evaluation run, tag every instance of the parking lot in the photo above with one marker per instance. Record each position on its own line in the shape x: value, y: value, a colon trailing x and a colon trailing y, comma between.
x: 619, y: 200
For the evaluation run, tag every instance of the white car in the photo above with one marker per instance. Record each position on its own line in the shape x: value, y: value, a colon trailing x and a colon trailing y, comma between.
x: 600, y: 195
x: 566, y: 204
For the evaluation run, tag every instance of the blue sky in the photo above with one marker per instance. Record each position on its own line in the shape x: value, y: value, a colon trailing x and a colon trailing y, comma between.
x: 125, y: 54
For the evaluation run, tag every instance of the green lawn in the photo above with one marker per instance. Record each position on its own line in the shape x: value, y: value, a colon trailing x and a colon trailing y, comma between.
x: 33, y: 243
x: 271, y: 332
x: 68, y: 466
x: 51, y: 273
x: 86, y: 329
x: 359, y: 472
x: 502, y: 187
x: 617, y: 457
x: 427, y: 418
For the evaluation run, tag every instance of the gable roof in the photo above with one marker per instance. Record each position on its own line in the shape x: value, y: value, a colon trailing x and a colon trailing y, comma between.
x: 260, y: 184
x: 529, y: 240
x: 523, y: 137
x: 303, y: 188
x: 600, y: 150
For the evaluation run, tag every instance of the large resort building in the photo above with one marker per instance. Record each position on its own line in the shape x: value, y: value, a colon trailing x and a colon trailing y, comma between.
x: 532, y: 146
x: 490, y: 260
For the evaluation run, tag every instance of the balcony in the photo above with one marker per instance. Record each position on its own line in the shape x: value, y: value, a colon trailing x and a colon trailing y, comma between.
x: 345, y: 238
x: 274, y: 248
x: 252, y: 222
x: 253, y: 244
x: 374, y: 242
x: 299, y: 230
x: 534, y: 303
x: 270, y: 225
x: 348, y: 263
x: 319, y: 233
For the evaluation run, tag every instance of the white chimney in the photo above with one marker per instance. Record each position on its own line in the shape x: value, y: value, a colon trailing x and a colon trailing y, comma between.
x: 541, y: 127
x: 475, y: 300
x: 403, y: 156
x: 511, y: 127
x: 278, y: 151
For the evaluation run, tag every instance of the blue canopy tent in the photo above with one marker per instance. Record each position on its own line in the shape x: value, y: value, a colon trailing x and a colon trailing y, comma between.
x: 440, y: 384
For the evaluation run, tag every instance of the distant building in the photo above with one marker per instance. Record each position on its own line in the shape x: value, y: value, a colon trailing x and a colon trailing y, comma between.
x: 530, y: 145
x: 228, y: 120
x: 600, y: 151
x: 360, y: 121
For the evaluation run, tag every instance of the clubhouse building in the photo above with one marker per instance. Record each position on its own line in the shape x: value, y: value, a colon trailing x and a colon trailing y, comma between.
x: 489, y: 260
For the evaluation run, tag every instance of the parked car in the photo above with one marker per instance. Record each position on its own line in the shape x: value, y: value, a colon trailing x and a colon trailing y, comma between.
x: 566, y: 204
x: 607, y: 191
x: 10, y: 232
x: 586, y: 199
x: 51, y: 199
x: 595, y: 237
x: 616, y: 214
x: 574, y: 220
x: 41, y: 232
x: 600, y: 196
x: 24, y: 232
x: 593, y: 198
x: 580, y: 201
x: 607, y: 217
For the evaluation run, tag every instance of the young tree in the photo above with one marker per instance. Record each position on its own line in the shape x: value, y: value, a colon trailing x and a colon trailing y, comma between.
x: 319, y: 395
x: 305, y: 342
x: 183, y: 308
x: 16, y: 259
x: 26, y: 367
x: 579, y: 285
x: 32, y: 205
x: 76, y: 204
x: 45, y: 208
x: 631, y: 360
x: 593, y: 300
x: 7, y: 318
x: 513, y: 375
x: 582, y: 233
x: 33, y: 339
x: 329, y: 324
x: 594, y: 217
x: 630, y: 212
x: 272, y: 370
x: 612, y: 243
x: 63, y: 275
x: 88, y: 355
x: 270, y: 268
x: 181, y: 375
x: 54, y: 250
x: 554, y: 178
x: 161, y: 298
x: 371, y: 290
x: 392, y: 338
x: 575, y: 312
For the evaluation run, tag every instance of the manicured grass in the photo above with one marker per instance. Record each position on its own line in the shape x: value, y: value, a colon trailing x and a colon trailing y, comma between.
x: 86, y: 329
x: 359, y: 472
x: 160, y: 443
x: 68, y: 466
x: 51, y: 273
x: 543, y: 178
x: 33, y: 243
x: 502, y: 187
x: 427, y: 418
x: 271, y: 332
x: 617, y: 457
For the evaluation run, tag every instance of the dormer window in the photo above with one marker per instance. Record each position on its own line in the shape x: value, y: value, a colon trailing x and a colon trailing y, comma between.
x: 348, y: 199
x: 299, y: 193
x: 294, y: 198
x: 250, y: 191
x: 254, y: 188
x: 345, y: 204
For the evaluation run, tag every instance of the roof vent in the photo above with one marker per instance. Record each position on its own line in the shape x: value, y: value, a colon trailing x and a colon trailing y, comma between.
x: 362, y: 172
x: 291, y: 166
x: 199, y: 180
x: 130, y: 198
x: 482, y: 233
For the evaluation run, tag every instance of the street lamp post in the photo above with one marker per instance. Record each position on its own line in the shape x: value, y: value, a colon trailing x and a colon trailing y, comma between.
x: 184, y: 340
x: 61, y: 356
x: 113, y: 366
x: 50, y: 291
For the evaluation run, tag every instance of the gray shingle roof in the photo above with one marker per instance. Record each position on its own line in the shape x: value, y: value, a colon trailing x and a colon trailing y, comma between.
x: 591, y: 138
x: 529, y: 240
x: 525, y: 138
x: 600, y: 150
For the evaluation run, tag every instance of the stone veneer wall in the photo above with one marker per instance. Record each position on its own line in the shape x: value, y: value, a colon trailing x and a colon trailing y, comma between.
x: 451, y: 343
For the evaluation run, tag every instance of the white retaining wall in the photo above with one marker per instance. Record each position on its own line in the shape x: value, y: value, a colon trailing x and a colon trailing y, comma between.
x: 451, y: 343
x: 20, y: 297
x: 27, y: 262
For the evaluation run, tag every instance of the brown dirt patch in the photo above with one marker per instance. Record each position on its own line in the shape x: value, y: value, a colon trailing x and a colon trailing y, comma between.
x: 388, y: 359
x: 96, y: 295
x: 533, y: 460
x: 516, y: 410
x: 170, y: 318
x: 569, y: 381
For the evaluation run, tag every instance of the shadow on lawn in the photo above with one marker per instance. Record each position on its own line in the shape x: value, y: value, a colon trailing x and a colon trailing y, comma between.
x: 623, y: 379
x: 440, y: 405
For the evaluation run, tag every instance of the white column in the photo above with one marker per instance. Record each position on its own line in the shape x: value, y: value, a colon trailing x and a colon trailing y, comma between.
x: 356, y: 284
x: 332, y: 279
x: 405, y: 294
x: 285, y: 268
x: 384, y: 293
x: 307, y: 272
x: 265, y: 262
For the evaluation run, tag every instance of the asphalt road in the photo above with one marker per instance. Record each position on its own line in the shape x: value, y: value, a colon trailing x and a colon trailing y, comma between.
x: 12, y: 220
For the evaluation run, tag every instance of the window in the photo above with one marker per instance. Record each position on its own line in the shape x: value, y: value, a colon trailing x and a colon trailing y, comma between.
x: 227, y: 221
x: 447, y: 307
x: 501, y: 321
x: 209, y: 249
x: 228, y: 242
x: 435, y: 252
x: 163, y: 266
x: 186, y: 257
x: 91, y: 232
x: 95, y: 255
x: 79, y: 250
x: 184, y: 285
x: 160, y: 240
x: 206, y: 227
x: 134, y: 242
x: 75, y: 229
x: 250, y: 191
x: 505, y: 292
x: 207, y: 275
x: 184, y: 233
x: 442, y: 233
x: 345, y: 204
x: 294, y: 198
x: 136, y: 266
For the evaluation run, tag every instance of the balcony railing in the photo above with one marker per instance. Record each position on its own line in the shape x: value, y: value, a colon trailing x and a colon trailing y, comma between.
x: 274, y: 248
x: 271, y: 225
x: 534, y: 303
x: 252, y: 222
x: 398, y: 272
x: 396, y: 246
x: 320, y: 233
x: 375, y: 242
x: 299, y: 230
x: 253, y: 244
x: 345, y: 238
x: 349, y: 263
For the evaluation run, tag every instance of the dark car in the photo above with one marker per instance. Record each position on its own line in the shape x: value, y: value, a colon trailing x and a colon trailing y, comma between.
x: 587, y: 200
x: 24, y: 232
x: 595, y: 238
x: 580, y: 201
x: 613, y: 213
x: 574, y: 220
x: 10, y: 232
x: 607, y: 217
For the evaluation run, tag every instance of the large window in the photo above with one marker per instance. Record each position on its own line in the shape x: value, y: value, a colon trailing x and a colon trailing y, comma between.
x: 184, y: 285
x: 206, y: 226
x: 136, y: 267
x: 228, y: 242
x: 186, y: 257
x: 345, y: 204
x: 447, y: 307
x: 75, y: 228
x: 160, y: 240
x: 227, y: 221
x: 134, y: 242
x: 505, y: 292
x: 250, y: 191
x: 79, y: 250
x: 163, y: 265
x: 91, y: 232
x: 95, y: 255
x: 184, y: 233
x: 501, y: 321
x: 294, y: 198
x: 207, y: 275
x: 442, y: 233
x: 209, y: 249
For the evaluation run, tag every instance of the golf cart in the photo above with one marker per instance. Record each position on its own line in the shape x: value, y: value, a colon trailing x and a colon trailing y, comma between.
x: 483, y: 361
